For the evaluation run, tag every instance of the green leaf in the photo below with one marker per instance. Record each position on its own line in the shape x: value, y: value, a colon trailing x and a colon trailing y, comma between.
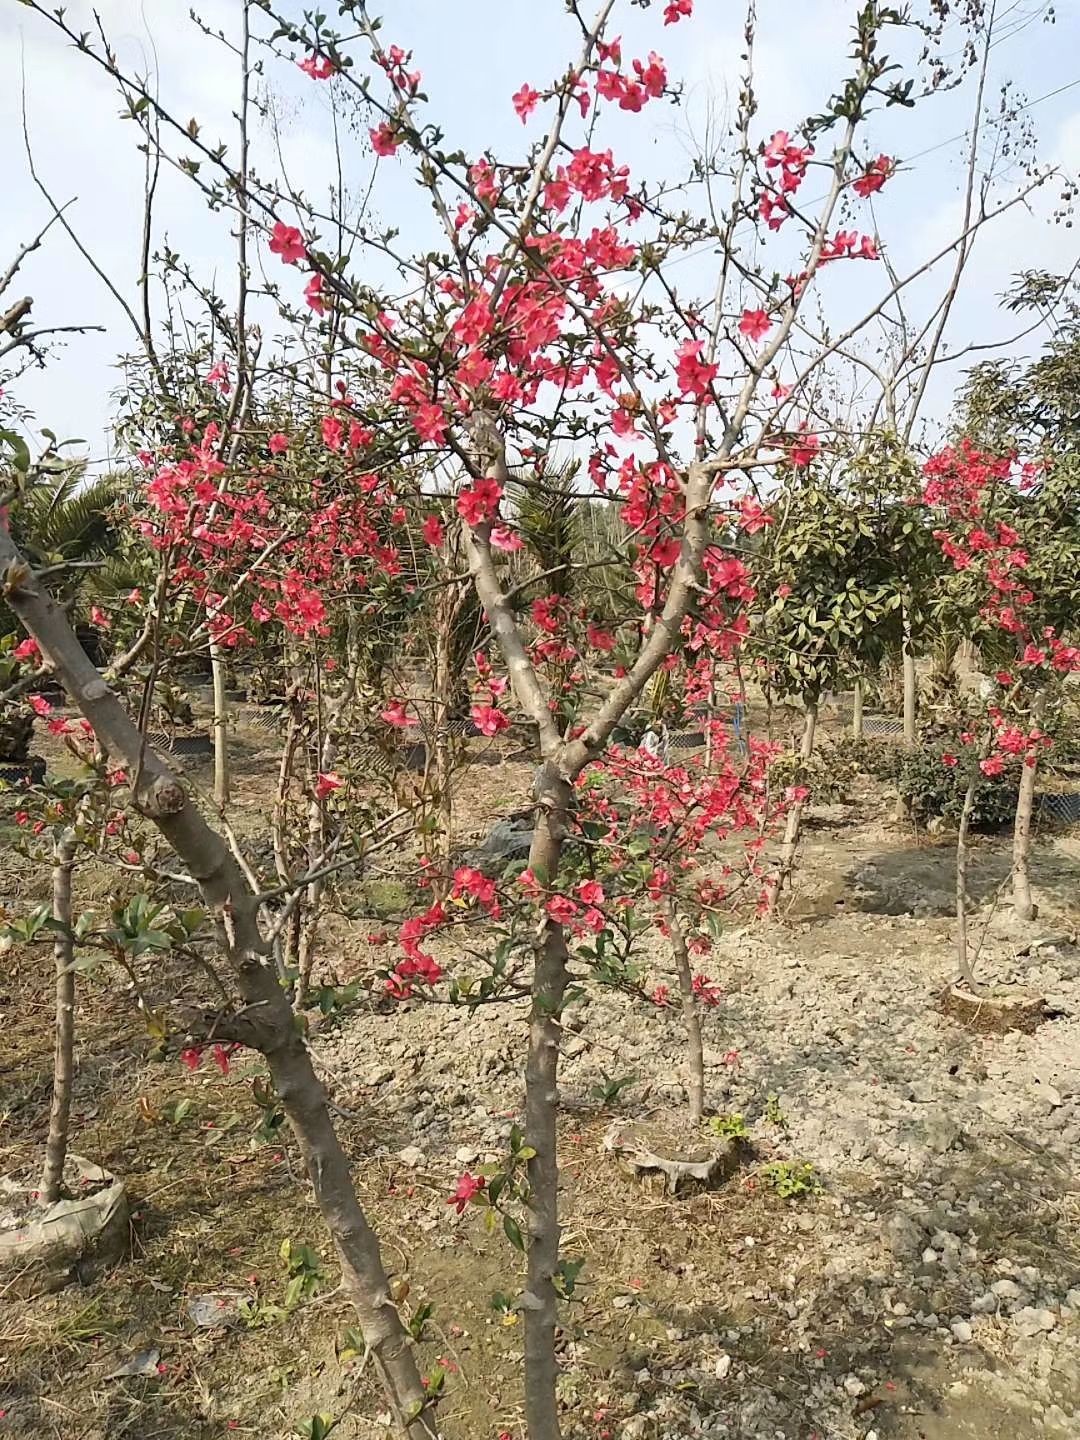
x: 513, y: 1233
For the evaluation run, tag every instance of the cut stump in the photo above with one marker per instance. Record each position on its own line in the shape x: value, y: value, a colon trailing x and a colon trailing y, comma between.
x: 43, y: 1247
x: 996, y: 1011
x: 660, y: 1155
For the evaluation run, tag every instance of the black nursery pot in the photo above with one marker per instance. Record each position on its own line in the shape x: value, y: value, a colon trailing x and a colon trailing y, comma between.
x: 28, y: 771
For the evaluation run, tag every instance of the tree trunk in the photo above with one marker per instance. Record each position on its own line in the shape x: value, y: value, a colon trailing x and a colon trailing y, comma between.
x: 911, y: 689
x: 541, y: 1111
x: 963, y: 961
x: 1023, y: 906
x: 221, y: 726
x: 691, y: 1018
x: 794, y: 815
x: 857, y: 709
x: 52, y: 1176
x: 266, y: 1022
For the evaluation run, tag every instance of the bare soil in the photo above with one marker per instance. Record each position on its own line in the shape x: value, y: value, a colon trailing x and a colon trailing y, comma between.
x: 931, y: 1291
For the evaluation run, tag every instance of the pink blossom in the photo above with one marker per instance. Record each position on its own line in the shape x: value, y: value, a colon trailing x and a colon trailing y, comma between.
x: 278, y: 444
x: 561, y: 909
x: 384, y: 139
x: 314, y: 296
x: 503, y: 538
x: 432, y: 531
x: 755, y: 325
x: 525, y: 101
x: 467, y: 1186
x: 395, y: 714
x: 488, y: 720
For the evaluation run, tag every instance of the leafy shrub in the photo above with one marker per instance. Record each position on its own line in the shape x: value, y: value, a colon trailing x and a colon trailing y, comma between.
x: 826, y: 775
x: 865, y: 756
x: 932, y: 788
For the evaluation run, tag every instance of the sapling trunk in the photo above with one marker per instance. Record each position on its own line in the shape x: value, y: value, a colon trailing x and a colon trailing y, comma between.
x: 695, y: 1055
x: 541, y: 1112
x: 911, y: 689
x: 221, y: 726
x: 794, y: 816
x: 1023, y: 905
x: 52, y: 1176
x: 963, y: 961
x: 857, y: 709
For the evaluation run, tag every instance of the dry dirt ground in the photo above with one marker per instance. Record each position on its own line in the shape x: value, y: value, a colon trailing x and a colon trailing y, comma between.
x: 931, y: 1291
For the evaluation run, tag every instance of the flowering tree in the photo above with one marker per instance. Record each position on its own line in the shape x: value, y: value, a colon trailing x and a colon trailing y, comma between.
x: 650, y: 824
x: 545, y: 315
x: 970, y: 491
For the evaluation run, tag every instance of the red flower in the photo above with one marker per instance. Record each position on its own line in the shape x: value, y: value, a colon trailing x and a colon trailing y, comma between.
x: 676, y: 10
x: 480, y: 502
x: 395, y: 714
x: 26, y: 649
x: 949, y: 760
x: 327, y: 783
x: 287, y: 241
x: 591, y: 892
x: 432, y: 531
x: 39, y: 705
x: 313, y: 294
x: 316, y: 68
x: 874, y: 177
x: 467, y: 1186
x: 429, y: 422
x: 561, y: 909
x: 661, y: 995
x: 488, y: 720
x: 993, y: 765
x: 333, y: 432
x: 384, y: 139
x: 755, y: 324
x: 191, y: 1056
x: 278, y: 444
x: 221, y: 1055
x: 525, y: 102
x: 692, y: 373
x: 804, y: 450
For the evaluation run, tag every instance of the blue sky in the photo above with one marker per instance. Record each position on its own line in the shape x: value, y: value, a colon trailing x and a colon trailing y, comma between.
x: 474, y: 54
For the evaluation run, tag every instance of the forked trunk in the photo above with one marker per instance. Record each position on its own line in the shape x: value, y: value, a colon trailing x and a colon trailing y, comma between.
x: 1023, y: 905
x: 695, y: 1054
x: 266, y: 1022
x: 52, y: 1176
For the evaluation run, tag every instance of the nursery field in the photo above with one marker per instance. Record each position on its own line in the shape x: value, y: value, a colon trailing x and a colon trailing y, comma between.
x: 924, y: 1284
x: 539, y: 720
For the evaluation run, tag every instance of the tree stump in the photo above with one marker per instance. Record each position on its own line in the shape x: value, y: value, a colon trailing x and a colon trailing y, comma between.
x: 996, y: 1011
x: 676, y: 1161
x: 42, y: 1247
